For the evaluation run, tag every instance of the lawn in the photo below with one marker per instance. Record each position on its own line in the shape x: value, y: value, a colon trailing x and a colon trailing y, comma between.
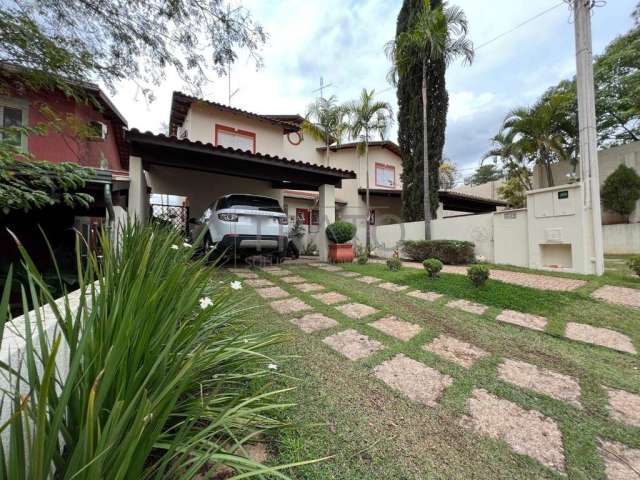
x: 372, y: 431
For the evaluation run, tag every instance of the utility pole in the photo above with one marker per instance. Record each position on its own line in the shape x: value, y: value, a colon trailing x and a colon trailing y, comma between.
x: 589, y: 167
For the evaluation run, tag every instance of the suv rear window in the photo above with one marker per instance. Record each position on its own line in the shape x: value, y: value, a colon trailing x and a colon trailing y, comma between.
x: 257, y: 203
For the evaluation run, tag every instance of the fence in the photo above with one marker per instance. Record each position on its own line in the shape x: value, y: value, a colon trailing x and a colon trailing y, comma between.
x: 175, y: 215
x: 622, y: 238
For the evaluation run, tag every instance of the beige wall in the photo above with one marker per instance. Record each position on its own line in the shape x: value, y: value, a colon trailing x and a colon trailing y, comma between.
x: 621, y: 239
x: 486, y: 190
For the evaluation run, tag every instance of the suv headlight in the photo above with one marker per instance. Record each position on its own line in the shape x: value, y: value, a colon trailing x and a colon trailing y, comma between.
x: 228, y: 217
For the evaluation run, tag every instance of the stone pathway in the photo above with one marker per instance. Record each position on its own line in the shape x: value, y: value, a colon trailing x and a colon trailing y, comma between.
x: 356, y: 310
x: 352, y: 344
x: 426, y: 296
x: 618, y: 295
x: 292, y: 305
x: 246, y: 275
x: 526, y: 320
x: 278, y: 273
x: 599, y: 336
x: 368, y: 279
x: 272, y: 292
x: 349, y: 274
x: 468, y: 306
x: 527, y: 432
x: 624, y: 406
x: 555, y: 385
x: 621, y: 462
x: 531, y: 280
x: 397, y: 328
x: 330, y: 298
x: 456, y: 351
x: 330, y: 268
x: 293, y: 279
x: 308, y: 287
x: 313, y: 322
x: 392, y: 287
x: 420, y: 383
x: 259, y: 282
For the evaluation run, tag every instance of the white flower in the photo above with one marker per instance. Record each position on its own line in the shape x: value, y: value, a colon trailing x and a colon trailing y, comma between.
x: 236, y: 285
x: 186, y: 245
x: 174, y: 247
x: 272, y: 366
x: 205, y: 302
x: 246, y: 340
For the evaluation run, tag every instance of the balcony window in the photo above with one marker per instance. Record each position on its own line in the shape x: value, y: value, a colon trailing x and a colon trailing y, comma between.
x: 13, y: 113
x: 385, y: 175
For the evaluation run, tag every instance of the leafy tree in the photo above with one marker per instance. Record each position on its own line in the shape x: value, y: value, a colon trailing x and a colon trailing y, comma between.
x: 368, y: 119
x: 513, y: 162
x: 448, y: 175
x: 326, y: 120
x: 486, y: 173
x: 621, y: 191
x: 434, y: 37
x: 513, y: 192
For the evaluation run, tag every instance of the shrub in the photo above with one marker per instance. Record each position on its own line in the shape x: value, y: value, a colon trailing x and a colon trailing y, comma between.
x: 164, y: 378
x: 621, y: 191
x: 341, y: 231
x: 634, y: 264
x: 432, y: 266
x: 454, y: 252
x: 310, y: 249
x: 478, y: 274
x: 362, y: 259
x: 394, y: 264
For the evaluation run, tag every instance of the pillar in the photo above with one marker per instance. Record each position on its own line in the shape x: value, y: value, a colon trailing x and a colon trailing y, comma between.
x: 327, y: 211
x: 137, y: 191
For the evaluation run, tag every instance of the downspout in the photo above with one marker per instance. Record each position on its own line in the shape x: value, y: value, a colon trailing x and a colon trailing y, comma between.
x: 108, y: 201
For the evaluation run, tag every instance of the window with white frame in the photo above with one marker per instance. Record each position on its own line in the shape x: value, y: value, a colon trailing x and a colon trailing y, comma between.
x: 13, y: 113
x: 235, y: 138
x: 385, y: 175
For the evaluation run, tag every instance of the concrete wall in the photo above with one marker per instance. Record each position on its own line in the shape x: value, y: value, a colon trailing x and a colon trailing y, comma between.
x: 486, y: 190
x: 472, y: 228
x: 622, y: 238
x: 511, y: 244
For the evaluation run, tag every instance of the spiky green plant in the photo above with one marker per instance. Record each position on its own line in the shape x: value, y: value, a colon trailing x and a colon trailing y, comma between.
x: 161, y: 383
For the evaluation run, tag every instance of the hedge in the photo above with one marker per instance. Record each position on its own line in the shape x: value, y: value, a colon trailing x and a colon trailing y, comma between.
x: 452, y: 252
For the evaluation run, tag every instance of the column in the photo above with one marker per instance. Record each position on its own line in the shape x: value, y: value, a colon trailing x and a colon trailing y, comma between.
x: 137, y: 191
x: 327, y: 211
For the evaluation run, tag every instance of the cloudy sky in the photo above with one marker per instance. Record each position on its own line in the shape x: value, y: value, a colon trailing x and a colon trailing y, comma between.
x: 343, y: 40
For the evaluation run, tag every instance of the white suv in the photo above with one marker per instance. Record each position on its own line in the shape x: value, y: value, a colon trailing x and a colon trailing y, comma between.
x: 241, y: 225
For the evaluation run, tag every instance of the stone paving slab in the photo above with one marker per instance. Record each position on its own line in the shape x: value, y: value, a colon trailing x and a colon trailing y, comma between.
x: 468, y: 306
x: 540, y: 380
x: 293, y: 279
x: 456, y: 351
x: 426, y: 296
x: 330, y: 298
x: 308, y: 287
x: 349, y: 274
x: 368, y: 279
x: 331, y: 268
x: 238, y: 270
x: 527, y: 432
x: 352, y: 344
x: 291, y: 305
x: 392, y: 287
x: 621, y: 462
x: 397, y: 328
x: 279, y: 273
x: 272, y: 292
x: 246, y: 275
x: 316, y: 264
x: 356, y: 310
x: 624, y: 406
x: 531, y: 280
x: 527, y: 320
x: 599, y: 336
x: 618, y: 295
x: 313, y: 322
x: 417, y: 381
x: 272, y: 269
x: 259, y: 282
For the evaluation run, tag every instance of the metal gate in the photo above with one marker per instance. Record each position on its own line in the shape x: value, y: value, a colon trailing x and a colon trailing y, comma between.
x: 174, y: 215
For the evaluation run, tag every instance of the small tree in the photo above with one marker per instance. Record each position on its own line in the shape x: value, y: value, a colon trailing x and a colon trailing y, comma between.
x: 486, y: 173
x: 621, y: 191
x: 448, y: 175
x: 513, y: 192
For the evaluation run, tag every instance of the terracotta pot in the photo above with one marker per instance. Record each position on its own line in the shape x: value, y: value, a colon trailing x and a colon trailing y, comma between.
x: 340, y: 252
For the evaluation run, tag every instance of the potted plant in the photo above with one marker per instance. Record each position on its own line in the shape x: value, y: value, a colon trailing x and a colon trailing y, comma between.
x: 340, y: 233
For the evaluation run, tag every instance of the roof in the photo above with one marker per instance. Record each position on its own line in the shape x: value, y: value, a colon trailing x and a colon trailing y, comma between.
x: 388, y: 144
x: 466, y: 196
x: 184, y: 153
x: 294, y: 118
x: 181, y: 102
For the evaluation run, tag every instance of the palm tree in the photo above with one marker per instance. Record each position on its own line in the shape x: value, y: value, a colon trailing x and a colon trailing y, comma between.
x: 368, y: 119
x: 439, y: 33
x: 511, y: 157
x: 325, y: 120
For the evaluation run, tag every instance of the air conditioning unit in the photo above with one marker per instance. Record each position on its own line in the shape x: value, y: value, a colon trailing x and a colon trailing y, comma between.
x: 100, y: 129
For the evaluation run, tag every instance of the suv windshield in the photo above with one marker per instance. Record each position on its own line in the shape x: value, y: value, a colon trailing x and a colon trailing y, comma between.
x: 251, y: 201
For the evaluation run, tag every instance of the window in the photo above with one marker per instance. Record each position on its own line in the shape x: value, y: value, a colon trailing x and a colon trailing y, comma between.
x: 385, y: 175
x: 315, y: 217
x: 235, y: 138
x: 13, y: 113
x: 303, y: 215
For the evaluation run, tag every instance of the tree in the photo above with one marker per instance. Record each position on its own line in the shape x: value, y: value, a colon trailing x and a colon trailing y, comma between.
x: 485, y: 174
x: 368, y: 119
x: 435, y: 37
x: 621, y: 191
x: 513, y: 163
x: 448, y: 175
x: 326, y: 120
x: 513, y: 192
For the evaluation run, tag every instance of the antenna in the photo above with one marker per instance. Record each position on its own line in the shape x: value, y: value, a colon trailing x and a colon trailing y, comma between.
x: 322, y: 87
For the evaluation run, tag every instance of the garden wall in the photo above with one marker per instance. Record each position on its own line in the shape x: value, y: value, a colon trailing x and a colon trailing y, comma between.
x: 622, y: 238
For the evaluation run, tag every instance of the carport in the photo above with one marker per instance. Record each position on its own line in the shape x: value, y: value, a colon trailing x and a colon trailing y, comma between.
x: 204, y: 172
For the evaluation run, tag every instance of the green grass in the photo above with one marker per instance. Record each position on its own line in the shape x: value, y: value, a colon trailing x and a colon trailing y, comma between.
x: 616, y: 267
x: 373, y: 432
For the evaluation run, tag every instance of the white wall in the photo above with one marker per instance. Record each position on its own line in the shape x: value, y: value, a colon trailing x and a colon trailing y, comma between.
x: 622, y: 238
x: 472, y: 228
x: 511, y: 243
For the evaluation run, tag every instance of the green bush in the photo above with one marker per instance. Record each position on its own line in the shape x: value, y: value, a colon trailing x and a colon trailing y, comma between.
x: 341, y: 231
x: 394, y: 264
x: 634, y: 264
x: 165, y: 377
x: 478, y: 274
x: 432, y: 266
x: 452, y: 252
x: 362, y: 259
x: 621, y: 191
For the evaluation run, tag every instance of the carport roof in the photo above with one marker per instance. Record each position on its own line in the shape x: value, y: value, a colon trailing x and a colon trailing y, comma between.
x: 183, y: 153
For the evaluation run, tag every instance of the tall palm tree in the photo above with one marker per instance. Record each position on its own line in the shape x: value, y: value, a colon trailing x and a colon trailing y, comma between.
x: 368, y: 119
x: 439, y: 33
x: 326, y: 120
x: 512, y: 158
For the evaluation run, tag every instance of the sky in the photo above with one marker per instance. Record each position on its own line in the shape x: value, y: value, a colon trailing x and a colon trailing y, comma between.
x: 343, y: 42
